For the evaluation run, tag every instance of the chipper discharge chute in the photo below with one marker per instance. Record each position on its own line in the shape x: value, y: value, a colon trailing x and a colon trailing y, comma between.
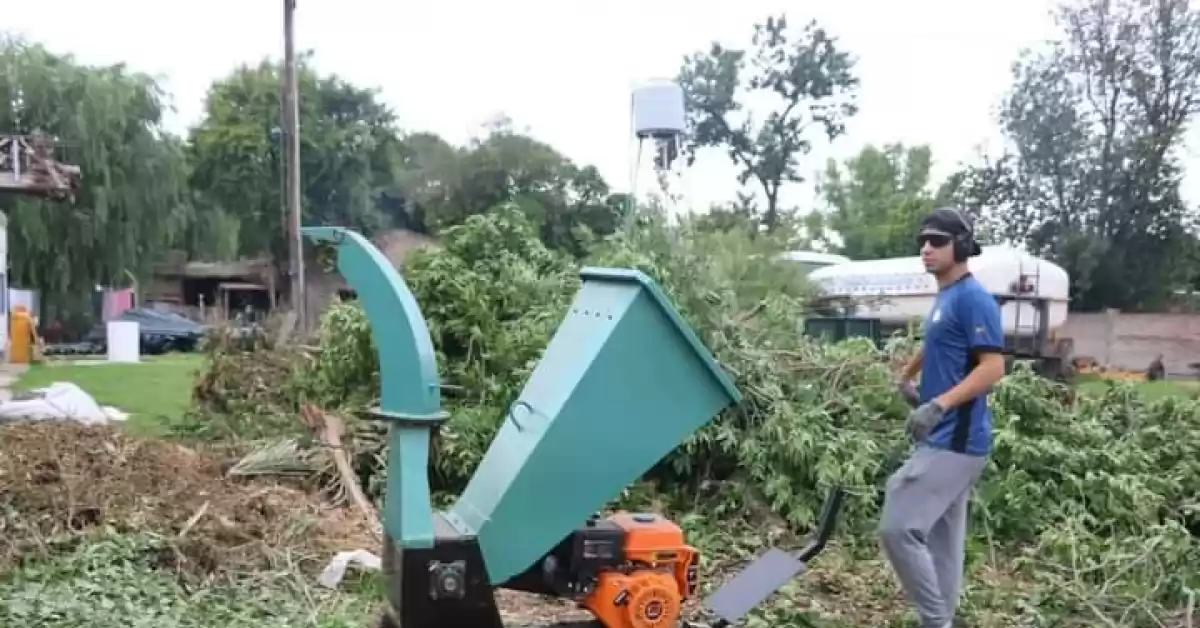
x: 623, y: 381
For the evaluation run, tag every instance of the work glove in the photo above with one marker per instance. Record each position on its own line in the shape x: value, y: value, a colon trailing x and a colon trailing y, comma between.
x: 909, y: 392
x: 923, y: 419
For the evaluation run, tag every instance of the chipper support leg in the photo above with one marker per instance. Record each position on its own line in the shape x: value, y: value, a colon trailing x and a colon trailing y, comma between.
x: 436, y: 575
x: 444, y: 585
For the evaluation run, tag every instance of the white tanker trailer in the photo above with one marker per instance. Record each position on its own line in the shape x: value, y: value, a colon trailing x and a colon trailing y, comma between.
x: 1033, y: 294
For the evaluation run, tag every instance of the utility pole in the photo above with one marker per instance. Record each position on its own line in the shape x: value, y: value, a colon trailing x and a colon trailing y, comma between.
x: 291, y: 100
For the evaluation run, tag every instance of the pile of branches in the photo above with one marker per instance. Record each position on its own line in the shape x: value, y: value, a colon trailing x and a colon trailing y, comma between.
x: 1091, y: 499
x: 251, y: 382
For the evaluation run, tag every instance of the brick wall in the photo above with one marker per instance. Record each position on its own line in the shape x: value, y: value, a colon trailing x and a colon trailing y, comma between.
x: 1132, y: 341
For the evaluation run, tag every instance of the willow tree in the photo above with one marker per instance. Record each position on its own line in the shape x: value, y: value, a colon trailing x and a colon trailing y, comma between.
x: 131, y: 206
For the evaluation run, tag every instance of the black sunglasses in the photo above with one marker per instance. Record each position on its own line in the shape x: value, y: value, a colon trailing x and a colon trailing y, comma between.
x: 935, y: 240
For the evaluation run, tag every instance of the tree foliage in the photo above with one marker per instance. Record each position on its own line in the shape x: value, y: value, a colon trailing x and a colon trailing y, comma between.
x: 218, y: 195
x: 877, y: 200
x: 806, y: 73
x: 1094, y: 123
x: 569, y: 203
x: 132, y: 205
x: 349, y: 155
x: 359, y: 170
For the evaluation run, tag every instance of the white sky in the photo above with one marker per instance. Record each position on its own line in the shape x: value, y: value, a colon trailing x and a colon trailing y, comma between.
x: 933, y: 71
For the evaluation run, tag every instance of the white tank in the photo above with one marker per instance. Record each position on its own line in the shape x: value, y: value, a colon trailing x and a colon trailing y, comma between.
x: 812, y: 260
x: 658, y: 110
x: 898, y: 289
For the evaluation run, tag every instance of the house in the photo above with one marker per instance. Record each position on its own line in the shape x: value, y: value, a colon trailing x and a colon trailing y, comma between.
x: 213, y: 291
x: 321, y: 286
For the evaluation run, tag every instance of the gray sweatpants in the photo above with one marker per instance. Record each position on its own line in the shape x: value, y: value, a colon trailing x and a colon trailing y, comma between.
x: 923, y: 529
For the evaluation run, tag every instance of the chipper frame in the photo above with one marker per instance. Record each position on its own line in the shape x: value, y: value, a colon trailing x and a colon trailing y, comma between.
x: 622, y: 383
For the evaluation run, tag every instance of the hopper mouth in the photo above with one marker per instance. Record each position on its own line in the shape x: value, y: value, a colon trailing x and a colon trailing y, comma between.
x: 622, y: 383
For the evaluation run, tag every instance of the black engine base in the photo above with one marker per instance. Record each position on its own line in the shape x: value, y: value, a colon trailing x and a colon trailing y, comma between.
x: 444, y: 586
x: 447, y: 585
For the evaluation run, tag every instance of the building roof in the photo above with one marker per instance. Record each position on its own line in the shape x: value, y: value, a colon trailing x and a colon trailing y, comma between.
x: 395, y: 244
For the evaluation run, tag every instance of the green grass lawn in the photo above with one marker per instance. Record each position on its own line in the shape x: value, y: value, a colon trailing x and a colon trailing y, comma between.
x: 1090, y: 384
x: 155, y: 392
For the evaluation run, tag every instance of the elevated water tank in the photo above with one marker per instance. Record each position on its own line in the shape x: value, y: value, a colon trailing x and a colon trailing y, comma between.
x: 898, y: 289
x: 658, y: 110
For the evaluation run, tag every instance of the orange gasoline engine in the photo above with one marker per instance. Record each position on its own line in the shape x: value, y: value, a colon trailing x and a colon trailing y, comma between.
x: 635, y: 570
x: 658, y: 571
x: 630, y: 570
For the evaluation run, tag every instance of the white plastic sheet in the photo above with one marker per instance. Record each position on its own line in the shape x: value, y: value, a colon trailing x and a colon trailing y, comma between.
x: 336, y: 569
x: 60, y: 401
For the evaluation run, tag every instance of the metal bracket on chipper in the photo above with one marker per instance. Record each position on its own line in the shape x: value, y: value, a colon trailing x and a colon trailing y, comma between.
x: 622, y: 383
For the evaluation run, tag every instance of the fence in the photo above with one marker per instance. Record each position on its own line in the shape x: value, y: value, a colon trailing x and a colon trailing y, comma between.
x: 1133, y: 341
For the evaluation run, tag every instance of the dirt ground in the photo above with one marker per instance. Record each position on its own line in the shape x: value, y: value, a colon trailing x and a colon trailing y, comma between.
x: 58, y: 478
x: 60, y: 482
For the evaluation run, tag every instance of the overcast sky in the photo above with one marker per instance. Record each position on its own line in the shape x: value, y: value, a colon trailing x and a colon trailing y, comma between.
x: 932, y: 71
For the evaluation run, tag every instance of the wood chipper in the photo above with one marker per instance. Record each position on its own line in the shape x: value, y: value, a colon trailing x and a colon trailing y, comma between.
x: 623, y: 381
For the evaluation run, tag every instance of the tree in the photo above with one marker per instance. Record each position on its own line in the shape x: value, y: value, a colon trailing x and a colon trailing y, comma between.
x: 569, y: 203
x: 428, y: 177
x: 740, y: 214
x: 349, y: 152
x: 131, y: 207
x: 878, y: 199
x: 1092, y: 175
x: 807, y: 74
x: 359, y: 171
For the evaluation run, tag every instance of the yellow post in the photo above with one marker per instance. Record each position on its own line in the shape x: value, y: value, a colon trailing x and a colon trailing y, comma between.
x: 23, y: 336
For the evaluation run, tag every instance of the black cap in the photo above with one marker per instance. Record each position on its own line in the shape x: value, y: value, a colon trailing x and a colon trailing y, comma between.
x: 951, y: 222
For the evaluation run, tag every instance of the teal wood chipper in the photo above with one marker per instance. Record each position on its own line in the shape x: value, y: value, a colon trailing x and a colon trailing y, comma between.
x: 622, y: 383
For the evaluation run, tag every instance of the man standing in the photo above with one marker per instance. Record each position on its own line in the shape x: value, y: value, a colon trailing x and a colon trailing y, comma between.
x: 924, y: 522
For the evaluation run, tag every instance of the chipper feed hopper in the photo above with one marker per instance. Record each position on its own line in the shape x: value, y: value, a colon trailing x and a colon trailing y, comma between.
x: 622, y: 383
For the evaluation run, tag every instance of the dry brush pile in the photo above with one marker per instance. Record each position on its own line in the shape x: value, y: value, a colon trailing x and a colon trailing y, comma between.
x: 60, y: 483
x: 1088, y: 516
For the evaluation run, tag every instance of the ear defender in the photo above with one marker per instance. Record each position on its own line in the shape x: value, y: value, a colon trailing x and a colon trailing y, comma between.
x: 962, y: 242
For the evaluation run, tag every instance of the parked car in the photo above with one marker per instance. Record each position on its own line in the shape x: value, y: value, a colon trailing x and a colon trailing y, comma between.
x: 159, y: 332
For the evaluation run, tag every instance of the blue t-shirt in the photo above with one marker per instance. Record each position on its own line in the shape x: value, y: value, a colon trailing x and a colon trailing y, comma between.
x: 964, y: 322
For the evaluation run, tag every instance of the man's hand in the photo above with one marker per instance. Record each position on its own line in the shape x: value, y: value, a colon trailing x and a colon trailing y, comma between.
x: 922, y: 420
x: 909, y: 391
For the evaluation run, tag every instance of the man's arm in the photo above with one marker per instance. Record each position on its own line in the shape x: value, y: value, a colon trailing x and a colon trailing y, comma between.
x: 910, y: 370
x: 989, y: 371
x: 980, y: 315
x: 904, y: 382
